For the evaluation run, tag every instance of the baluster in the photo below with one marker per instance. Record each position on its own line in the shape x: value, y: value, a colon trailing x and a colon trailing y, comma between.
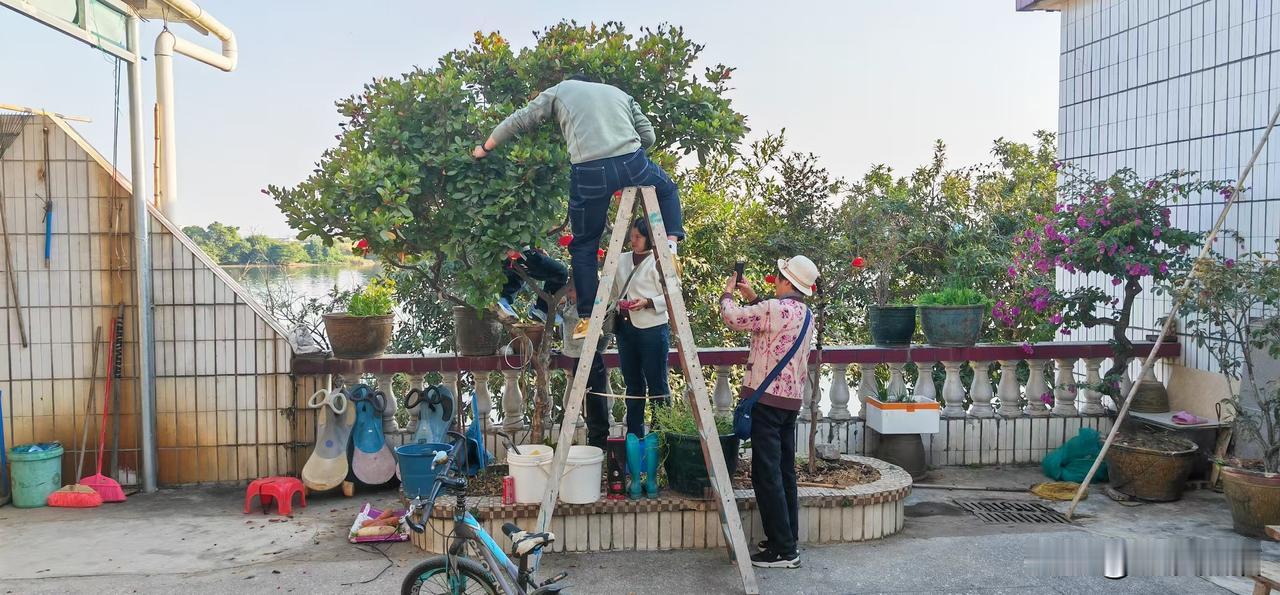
x: 1126, y: 384
x: 1009, y: 391
x: 952, y: 391
x: 980, y: 390
x: 924, y: 390
x: 450, y: 381
x: 484, y: 398
x: 1089, y: 393
x: 723, y: 395
x: 1036, y: 388
x: 806, y: 398
x: 415, y: 383
x: 1064, y: 390
x: 840, y: 392
x: 512, y: 401
x: 897, y: 386
x: 385, y: 385
x: 867, y: 388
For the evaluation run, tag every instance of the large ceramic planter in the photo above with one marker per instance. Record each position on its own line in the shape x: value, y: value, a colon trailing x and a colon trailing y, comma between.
x: 1154, y: 475
x: 892, y: 326
x: 685, y: 467
x: 358, y: 337
x: 952, y: 326
x: 476, y: 333
x: 1254, y: 497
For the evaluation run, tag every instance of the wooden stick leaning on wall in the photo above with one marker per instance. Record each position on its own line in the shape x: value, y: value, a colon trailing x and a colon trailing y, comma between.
x: 1178, y: 297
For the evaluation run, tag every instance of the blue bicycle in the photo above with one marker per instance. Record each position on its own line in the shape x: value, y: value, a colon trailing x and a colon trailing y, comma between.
x: 475, y: 563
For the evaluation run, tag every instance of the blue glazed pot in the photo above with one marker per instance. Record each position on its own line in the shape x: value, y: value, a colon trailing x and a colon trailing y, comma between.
x: 952, y: 326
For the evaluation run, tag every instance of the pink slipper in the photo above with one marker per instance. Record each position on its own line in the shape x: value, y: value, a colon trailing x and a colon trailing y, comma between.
x: 1184, y: 418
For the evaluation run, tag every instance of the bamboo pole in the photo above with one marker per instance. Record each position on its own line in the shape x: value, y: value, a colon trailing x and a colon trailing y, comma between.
x: 1177, y: 302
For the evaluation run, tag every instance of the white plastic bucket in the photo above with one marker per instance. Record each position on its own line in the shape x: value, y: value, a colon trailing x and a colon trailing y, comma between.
x: 580, y: 483
x: 530, y: 470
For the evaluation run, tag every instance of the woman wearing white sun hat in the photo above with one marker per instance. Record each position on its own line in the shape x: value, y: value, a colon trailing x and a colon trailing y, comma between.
x: 779, y: 327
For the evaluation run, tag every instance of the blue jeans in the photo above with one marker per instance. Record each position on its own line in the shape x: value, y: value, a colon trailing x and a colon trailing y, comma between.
x: 539, y: 267
x: 642, y: 357
x: 591, y: 187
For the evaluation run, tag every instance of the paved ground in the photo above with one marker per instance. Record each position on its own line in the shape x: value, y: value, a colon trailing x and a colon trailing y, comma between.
x: 197, y: 541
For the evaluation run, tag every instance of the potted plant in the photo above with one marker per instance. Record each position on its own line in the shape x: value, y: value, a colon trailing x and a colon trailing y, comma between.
x: 887, y: 225
x: 952, y: 317
x: 682, y: 448
x: 364, y: 329
x: 1220, y: 311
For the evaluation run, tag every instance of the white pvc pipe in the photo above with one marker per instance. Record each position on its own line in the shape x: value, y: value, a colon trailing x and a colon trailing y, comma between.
x: 166, y: 44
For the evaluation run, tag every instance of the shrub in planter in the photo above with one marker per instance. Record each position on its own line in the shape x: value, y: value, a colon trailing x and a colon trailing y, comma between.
x: 1220, y: 310
x: 682, y: 448
x: 364, y: 330
x: 952, y: 317
x: 476, y: 332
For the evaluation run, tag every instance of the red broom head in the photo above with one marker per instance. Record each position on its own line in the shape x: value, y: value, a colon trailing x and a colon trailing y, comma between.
x: 74, y: 496
x: 105, y: 487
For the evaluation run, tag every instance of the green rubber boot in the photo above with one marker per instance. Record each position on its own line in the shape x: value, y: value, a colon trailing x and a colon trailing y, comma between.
x: 635, y: 464
x: 651, y: 465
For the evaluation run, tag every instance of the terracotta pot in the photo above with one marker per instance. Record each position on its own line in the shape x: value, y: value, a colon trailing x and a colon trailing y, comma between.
x: 1151, y: 474
x: 533, y: 331
x: 476, y: 333
x: 1254, y: 497
x: 358, y: 337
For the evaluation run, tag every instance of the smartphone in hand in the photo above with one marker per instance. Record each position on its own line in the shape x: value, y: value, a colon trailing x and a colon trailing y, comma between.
x: 738, y: 268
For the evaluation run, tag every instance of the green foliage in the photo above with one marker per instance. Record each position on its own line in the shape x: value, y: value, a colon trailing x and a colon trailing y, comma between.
x: 678, y: 419
x: 401, y: 178
x: 953, y: 296
x: 374, y: 299
x: 304, y: 313
x: 1221, y: 313
x: 225, y: 246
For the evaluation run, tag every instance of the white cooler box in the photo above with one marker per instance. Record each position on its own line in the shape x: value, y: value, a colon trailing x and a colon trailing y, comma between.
x: 903, y: 418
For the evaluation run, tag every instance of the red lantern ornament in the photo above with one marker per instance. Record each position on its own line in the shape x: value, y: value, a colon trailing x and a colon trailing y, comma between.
x: 512, y: 255
x: 859, y: 262
x: 600, y: 253
x: 617, y: 194
x: 361, y: 246
x: 770, y: 279
x: 565, y: 240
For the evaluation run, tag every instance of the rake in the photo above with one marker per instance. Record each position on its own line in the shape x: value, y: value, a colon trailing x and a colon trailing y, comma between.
x: 10, y: 129
x: 106, y: 487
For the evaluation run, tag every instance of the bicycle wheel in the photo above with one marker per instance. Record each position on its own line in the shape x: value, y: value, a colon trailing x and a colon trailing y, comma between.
x: 433, y: 577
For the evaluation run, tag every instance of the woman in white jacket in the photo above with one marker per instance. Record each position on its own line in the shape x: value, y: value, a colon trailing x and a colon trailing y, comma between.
x: 643, y: 335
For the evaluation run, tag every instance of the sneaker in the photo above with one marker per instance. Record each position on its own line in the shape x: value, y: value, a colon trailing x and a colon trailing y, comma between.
x: 504, y: 310
x: 767, y: 559
x: 672, y: 245
x: 580, y: 331
x: 540, y: 316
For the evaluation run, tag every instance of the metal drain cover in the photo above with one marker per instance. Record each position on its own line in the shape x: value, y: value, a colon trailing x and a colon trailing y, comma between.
x: 1012, y: 511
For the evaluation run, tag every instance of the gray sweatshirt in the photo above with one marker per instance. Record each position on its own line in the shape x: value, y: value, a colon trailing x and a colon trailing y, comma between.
x: 597, y: 120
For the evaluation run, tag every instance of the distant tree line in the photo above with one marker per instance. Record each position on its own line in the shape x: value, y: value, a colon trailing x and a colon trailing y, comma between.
x: 225, y: 245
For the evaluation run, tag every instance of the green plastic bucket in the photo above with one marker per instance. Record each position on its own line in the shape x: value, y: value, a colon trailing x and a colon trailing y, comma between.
x: 37, y: 472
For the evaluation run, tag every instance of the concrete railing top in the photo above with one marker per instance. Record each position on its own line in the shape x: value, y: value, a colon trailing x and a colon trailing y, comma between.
x: 835, y: 354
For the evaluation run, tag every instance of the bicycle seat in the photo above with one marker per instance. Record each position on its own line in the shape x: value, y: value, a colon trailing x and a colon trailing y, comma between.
x: 523, y: 542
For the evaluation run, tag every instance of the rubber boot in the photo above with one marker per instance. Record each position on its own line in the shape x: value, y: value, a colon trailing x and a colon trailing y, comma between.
x: 651, y: 465
x: 616, y: 451
x: 635, y: 464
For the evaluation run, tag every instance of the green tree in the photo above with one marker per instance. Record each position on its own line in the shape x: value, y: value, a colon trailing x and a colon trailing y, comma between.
x: 401, y: 178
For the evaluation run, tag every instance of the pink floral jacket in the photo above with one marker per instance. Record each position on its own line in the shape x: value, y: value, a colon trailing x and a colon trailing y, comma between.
x: 774, y: 325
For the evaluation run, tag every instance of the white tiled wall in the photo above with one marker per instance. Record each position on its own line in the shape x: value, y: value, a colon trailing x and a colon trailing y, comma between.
x: 1162, y: 84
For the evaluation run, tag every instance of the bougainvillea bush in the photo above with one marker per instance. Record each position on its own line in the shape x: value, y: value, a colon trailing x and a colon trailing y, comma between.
x: 1118, y: 228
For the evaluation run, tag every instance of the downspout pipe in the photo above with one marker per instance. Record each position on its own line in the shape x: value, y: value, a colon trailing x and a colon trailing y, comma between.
x: 142, y: 268
x: 166, y: 45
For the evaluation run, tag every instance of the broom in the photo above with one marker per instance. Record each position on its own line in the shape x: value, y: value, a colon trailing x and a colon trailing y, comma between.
x: 103, y: 485
x: 79, y: 495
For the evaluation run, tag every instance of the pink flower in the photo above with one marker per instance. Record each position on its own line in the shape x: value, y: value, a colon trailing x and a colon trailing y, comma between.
x: 1057, y: 207
x: 1164, y: 269
x: 1013, y: 272
x: 1230, y: 262
x: 1047, y: 398
x: 1116, y: 281
x: 1065, y: 331
x: 1026, y: 348
x: 1056, y: 319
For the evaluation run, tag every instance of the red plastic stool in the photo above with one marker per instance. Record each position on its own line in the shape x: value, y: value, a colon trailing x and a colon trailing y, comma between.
x: 280, y: 489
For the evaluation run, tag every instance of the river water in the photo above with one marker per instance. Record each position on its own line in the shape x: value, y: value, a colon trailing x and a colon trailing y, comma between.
x: 301, y: 281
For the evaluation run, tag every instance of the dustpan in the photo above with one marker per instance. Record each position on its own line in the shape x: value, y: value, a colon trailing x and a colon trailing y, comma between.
x: 435, y: 405
x: 327, y: 467
x: 372, y: 461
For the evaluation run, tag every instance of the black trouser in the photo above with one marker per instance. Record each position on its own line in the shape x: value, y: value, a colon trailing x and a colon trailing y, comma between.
x: 597, y: 405
x: 773, y: 475
x: 539, y: 267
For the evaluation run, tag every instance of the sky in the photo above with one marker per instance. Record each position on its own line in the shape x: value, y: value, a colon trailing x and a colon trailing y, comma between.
x: 858, y: 82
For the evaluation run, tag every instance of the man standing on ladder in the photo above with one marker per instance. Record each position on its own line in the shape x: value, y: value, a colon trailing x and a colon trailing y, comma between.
x: 607, y: 134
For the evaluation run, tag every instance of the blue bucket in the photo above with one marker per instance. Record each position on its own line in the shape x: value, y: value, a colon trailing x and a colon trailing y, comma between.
x: 417, y: 474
